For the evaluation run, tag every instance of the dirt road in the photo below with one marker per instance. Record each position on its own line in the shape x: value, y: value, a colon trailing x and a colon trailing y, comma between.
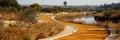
x: 85, y: 32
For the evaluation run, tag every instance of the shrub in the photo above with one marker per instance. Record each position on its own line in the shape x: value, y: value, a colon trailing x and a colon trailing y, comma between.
x: 50, y: 10
x: 34, y: 32
x: 10, y: 9
x: 27, y: 14
x: 54, y: 9
x: 36, y: 6
x: 68, y: 17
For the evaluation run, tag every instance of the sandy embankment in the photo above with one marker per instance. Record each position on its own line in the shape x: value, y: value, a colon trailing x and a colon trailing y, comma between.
x: 67, y: 31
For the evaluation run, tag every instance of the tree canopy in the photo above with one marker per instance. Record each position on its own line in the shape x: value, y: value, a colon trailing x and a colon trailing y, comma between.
x: 35, y: 5
x: 9, y: 3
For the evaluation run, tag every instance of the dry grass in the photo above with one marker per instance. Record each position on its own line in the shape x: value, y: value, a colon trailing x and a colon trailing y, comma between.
x: 28, y: 30
x: 9, y: 16
x: 111, y: 21
x: 32, y: 32
x: 110, y: 24
x: 68, y: 17
x: 72, y: 16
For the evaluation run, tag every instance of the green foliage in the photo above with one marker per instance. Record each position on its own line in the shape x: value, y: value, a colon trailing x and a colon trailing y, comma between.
x: 10, y: 9
x: 9, y: 3
x: 1, y: 8
x: 53, y: 9
x: 100, y: 9
x: 49, y: 10
x: 36, y: 6
x: 109, y: 10
x: 58, y: 8
x: 76, y: 9
x: 27, y: 14
x: 67, y: 8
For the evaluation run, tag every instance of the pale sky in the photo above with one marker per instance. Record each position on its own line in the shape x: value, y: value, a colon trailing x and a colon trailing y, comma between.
x: 70, y: 2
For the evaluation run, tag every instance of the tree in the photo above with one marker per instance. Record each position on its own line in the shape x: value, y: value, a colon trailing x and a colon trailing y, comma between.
x: 36, y: 6
x: 54, y: 9
x: 65, y: 3
x: 50, y: 10
x: 9, y: 3
x: 28, y: 14
x: 58, y: 8
x: 67, y: 9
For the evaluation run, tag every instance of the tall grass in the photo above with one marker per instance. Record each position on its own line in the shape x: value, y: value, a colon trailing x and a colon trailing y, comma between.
x: 32, y: 32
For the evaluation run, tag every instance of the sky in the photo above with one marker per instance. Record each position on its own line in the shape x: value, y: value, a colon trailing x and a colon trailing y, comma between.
x: 70, y: 2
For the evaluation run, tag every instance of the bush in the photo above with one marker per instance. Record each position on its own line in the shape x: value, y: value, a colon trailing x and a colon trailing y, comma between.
x: 50, y: 10
x: 68, y: 17
x: 9, y: 5
x: 59, y: 9
x: 36, y: 6
x: 10, y: 9
x: 54, y: 9
x: 67, y: 9
x: 27, y: 14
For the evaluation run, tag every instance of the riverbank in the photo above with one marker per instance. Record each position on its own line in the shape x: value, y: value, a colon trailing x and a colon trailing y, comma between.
x: 84, y: 31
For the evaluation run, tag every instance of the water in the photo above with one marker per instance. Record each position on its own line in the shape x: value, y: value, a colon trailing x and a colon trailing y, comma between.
x: 113, y: 34
x: 87, y: 20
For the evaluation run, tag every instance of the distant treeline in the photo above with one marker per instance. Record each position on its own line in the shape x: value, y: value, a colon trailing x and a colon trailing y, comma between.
x: 109, y: 9
x: 13, y: 5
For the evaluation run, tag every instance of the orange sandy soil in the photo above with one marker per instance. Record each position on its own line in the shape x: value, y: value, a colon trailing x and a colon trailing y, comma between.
x: 85, y: 32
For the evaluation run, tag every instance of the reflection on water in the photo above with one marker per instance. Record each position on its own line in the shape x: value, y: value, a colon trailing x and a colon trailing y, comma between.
x: 87, y: 20
x: 113, y: 34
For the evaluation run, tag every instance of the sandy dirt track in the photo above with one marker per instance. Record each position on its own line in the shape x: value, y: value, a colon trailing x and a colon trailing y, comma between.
x: 85, y: 32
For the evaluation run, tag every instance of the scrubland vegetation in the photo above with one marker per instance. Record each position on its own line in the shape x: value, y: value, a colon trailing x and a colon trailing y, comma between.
x: 109, y: 16
x: 26, y: 27
x: 28, y: 31
x: 72, y: 16
x: 68, y: 17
